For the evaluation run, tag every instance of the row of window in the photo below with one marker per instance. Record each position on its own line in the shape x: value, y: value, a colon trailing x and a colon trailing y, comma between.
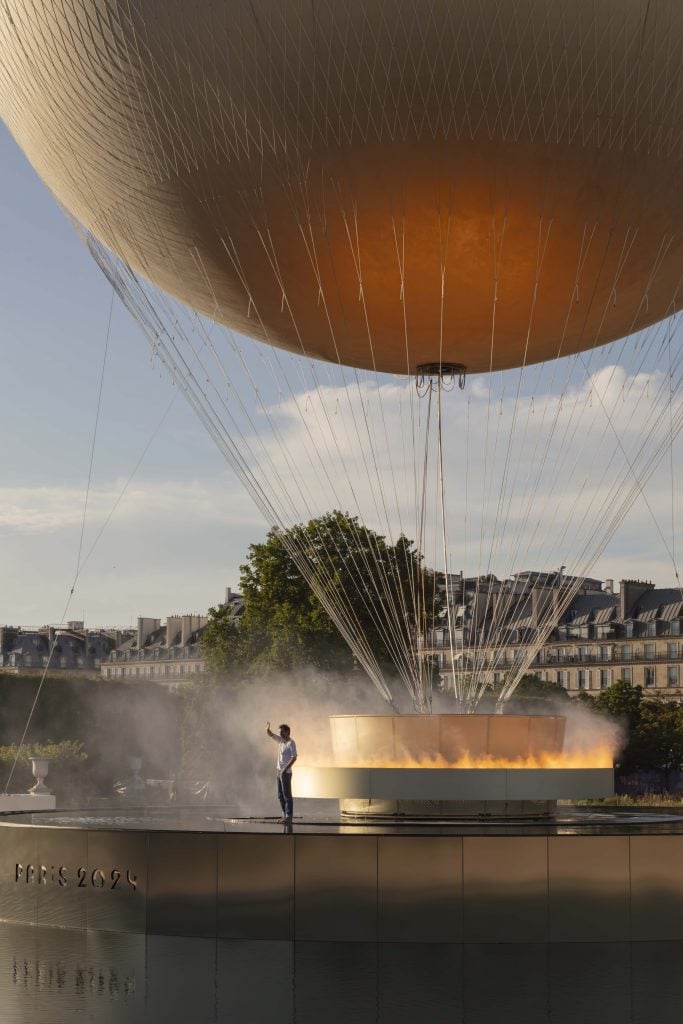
x: 607, y: 652
x: 585, y: 678
x: 159, y: 654
x: 40, y: 661
x: 600, y: 679
x: 632, y: 627
x: 149, y: 671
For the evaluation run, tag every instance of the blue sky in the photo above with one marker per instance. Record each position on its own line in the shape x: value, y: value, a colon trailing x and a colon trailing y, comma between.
x: 179, y: 534
x: 182, y: 529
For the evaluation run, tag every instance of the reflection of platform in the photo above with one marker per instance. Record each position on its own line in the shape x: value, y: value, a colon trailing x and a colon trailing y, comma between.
x: 58, y: 975
x: 586, y: 878
x: 446, y: 784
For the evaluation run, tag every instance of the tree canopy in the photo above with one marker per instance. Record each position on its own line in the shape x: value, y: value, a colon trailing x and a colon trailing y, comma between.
x: 654, y: 727
x: 285, y: 625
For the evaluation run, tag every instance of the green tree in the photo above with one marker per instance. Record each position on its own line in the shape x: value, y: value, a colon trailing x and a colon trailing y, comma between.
x: 532, y: 687
x: 654, y: 727
x: 219, y: 640
x: 657, y: 740
x: 622, y: 700
x: 531, y: 695
x: 383, y: 588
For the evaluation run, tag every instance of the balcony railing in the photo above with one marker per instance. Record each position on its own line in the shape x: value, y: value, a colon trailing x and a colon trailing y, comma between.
x: 472, y: 657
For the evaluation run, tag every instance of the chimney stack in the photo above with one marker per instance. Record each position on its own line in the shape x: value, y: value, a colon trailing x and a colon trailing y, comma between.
x: 630, y: 592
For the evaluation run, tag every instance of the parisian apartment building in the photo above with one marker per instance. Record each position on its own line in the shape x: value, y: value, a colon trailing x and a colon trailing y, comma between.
x: 166, y: 652
x: 582, y: 634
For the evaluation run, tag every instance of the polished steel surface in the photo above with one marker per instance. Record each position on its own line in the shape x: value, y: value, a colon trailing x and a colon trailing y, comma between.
x: 359, y: 182
x: 59, y: 976
x: 57, y: 904
x: 335, y: 884
x: 585, y: 877
x: 256, y: 887
x: 595, y: 819
x: 18, y: 850
x: 419, y: 890
x: 656, y: 887
x: 182, y: 884
x: 588, y: 888
x: 117, y: 862
x: 505, y: 889
x: 471, y: 784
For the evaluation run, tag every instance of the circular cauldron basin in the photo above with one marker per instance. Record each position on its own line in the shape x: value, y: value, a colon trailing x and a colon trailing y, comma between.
x: 400, y: 740
x: 448, y: 765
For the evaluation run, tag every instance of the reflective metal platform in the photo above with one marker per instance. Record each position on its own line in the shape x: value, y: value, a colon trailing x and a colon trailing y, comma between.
x: 587, y: 876
x: 60, y: 975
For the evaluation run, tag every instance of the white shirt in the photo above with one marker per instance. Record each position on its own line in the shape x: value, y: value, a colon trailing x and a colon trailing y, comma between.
x: 286, y: 752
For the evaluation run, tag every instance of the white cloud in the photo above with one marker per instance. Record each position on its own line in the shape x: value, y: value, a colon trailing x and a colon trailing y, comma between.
x: 531, y: 480
x: 169, y: 546
x: 31, y: 510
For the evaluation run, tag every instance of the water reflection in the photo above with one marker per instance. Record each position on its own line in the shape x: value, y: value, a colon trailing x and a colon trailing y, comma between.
x: 54, y: 976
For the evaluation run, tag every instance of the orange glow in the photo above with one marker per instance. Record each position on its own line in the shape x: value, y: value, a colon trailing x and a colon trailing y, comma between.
x: 596, y: 757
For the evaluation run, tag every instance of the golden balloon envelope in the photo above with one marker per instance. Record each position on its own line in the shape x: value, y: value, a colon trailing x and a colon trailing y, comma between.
x: 382, y: 184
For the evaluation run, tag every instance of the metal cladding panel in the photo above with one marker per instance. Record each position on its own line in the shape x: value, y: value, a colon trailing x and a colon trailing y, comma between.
x: 45, y: 965
x: 63, y: 863
x: 331, y: 783
x: 256, y: 887
x: 505, y: 888
x: 546, y: 734
x: 181, y: 979
x: 589, y: 981
x: 451, y: 784
x: 462, y: 735
x: 559, y: 783
x: 18, y: 893
x: 117, y: 881
x: 415, y: 736
x: 655, y: 983
x: 656, y: 887
x: 419, y: 882
x: 182, y: 884
x: 344, y: 739
x: 335, y: 983
x: 391, y: 739
x: 375, y: 739
x: 504, y: 983
x: 588, y: 888
x: 122, y: 961
x: 437, y: 783
x: 336, y: 888
x: 419, y: 982
x: 509, y: 736
x: 255, y: 981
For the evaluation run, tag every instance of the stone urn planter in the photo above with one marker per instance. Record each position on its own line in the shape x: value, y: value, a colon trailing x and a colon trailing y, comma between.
x: 40, y: 767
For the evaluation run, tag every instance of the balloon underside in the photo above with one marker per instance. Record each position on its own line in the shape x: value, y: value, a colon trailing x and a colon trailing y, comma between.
x: 379, y: 185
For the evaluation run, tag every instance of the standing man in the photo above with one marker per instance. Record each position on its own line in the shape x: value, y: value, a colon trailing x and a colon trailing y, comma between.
x: 286, y: 756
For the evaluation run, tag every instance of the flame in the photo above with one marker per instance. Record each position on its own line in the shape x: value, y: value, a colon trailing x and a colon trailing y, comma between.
x: 595, y: 757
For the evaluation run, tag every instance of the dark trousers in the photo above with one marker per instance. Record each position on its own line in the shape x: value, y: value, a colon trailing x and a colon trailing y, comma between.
x: 284, y: 794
